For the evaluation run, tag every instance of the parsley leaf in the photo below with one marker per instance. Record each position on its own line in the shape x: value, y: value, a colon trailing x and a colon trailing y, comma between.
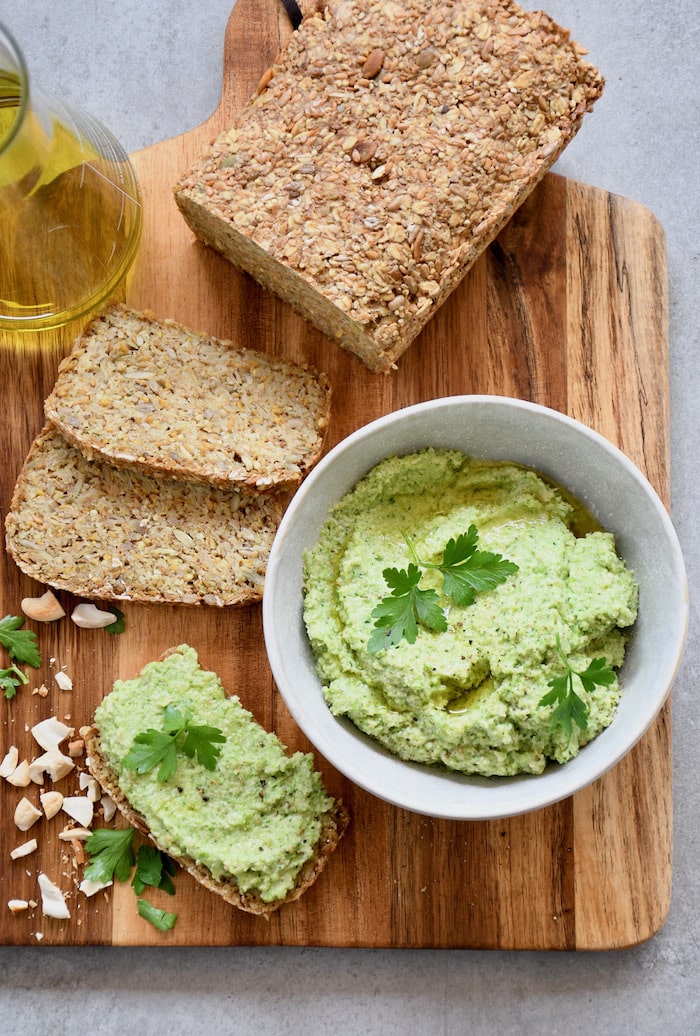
x: 202, y: 741
x: 466, y: 571
x: 153, y: 868
x: 11, y: 679
x: 111, y: 853
x: 21, y: 644
x: 174, y: 721
x: 153, y: 748
x: 597, y: 672
x: 570, y: 708
x: 119, y: 625
x: 159, y: 918
x: 112, y: 856
x: 397, y: 616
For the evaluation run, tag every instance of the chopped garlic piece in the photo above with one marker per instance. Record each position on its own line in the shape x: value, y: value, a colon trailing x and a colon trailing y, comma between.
x: 94, y: 791
x: 52, y: 902
x: 9, y: 763
x: 25, y: 849
x: 79, y: 808
x: 50, y: 733
x: 63, y: 680
x: 109, y: 807
x: 17, y: 905
x: 36, y: 771
x: 69, y: 833
x: 26, y: 814
x: 89, y: 887
x: 54, y: 763
x: 51, y: 802
x: 20, y: 776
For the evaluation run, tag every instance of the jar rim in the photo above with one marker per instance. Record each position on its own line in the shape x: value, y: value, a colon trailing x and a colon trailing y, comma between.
x: 12, y: 64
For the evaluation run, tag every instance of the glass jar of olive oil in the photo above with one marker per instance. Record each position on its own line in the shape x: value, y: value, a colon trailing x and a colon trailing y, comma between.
x: 70, y: 205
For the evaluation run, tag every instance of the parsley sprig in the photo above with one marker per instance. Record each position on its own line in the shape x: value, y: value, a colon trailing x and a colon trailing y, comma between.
x: 397, y: 616
x: 153, y: 868
x: 570, y: 708
x: 111, y: 854
x: 21, y: 644
x: 112, y: 857
x: 22, y: 647
x: 11, y: 679
x: 466, y: 571
x: 159, y: 748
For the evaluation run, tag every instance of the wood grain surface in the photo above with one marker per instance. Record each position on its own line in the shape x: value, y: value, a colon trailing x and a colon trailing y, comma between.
x: 568, y: 309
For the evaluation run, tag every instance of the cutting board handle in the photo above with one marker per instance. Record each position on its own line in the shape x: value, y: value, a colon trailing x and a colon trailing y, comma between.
x: 255, y: 34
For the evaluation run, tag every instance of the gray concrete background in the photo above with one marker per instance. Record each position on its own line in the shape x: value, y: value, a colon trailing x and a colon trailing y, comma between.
x: 151, y: 70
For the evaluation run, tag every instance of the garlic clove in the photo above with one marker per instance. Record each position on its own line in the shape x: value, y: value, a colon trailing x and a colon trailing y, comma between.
x: 89, y: 616
x: 42, y: 609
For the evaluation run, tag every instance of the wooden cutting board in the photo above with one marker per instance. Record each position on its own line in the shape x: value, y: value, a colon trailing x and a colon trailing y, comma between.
x: 568, y: 308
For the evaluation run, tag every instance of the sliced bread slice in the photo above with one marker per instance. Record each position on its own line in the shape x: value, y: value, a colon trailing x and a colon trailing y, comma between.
x: 148, y: 393
x: 257, y: 805
x: 104, y: 532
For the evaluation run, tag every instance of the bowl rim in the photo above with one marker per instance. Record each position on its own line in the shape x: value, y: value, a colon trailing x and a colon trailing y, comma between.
x: 534, y: 790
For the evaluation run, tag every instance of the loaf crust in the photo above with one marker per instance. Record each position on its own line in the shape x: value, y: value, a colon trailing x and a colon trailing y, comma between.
x: 385, y: 149
x: 333, y: 826
x: 118, y: 534
x: 151, y: 394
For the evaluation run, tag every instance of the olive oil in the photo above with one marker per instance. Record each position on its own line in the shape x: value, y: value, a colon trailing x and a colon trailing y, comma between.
x: 70, y: 212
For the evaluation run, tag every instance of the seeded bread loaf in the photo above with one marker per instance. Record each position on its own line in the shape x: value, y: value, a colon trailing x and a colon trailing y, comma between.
x: 385, y: 149
x: 104, y: 532
x: 246, y: 895
x: 151, y: 394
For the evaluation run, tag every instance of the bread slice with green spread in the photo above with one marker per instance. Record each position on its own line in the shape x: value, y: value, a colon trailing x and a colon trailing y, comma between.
x: 257, y: 829
x: 145, y: 393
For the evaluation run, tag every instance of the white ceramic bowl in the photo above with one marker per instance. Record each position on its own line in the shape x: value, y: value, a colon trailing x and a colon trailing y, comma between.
x: 602, y: 478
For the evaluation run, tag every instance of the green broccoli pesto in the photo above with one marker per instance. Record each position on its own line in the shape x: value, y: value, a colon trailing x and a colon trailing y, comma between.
x: 255, y: 817
x: 469, y: 697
